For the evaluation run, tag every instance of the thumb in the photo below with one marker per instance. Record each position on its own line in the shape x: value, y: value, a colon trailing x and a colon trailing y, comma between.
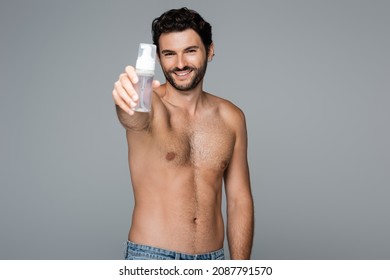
x: 157, y: 89
x: 156, y: 84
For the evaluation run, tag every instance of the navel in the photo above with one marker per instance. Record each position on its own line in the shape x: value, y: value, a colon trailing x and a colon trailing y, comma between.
x: 170, y: 156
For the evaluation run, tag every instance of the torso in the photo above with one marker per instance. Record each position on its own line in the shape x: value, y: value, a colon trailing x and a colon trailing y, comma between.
x: 177, y: 167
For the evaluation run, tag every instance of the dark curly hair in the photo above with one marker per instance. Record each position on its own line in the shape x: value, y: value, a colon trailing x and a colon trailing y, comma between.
x: 177, y: 20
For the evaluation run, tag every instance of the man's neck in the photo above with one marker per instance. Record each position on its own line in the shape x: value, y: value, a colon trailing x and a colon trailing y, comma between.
x: 188, y: 100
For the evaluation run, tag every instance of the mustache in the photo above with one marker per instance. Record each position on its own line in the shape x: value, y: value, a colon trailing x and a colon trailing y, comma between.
x: 185, y: 68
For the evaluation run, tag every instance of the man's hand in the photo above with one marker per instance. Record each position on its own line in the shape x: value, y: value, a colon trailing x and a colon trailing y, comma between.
x: 124, y: 94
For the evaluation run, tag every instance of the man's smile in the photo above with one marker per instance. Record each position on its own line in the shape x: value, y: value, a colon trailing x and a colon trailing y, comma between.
x: 183, y: 74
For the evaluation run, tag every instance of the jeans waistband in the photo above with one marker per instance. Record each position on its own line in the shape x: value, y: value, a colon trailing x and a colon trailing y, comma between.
x: 140, y: 251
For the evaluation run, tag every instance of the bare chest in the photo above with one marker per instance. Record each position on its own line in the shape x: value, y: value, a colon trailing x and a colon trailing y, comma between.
x: 207, y: 143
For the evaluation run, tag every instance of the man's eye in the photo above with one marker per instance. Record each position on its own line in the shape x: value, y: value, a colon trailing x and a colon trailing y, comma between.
x: 168, y: 54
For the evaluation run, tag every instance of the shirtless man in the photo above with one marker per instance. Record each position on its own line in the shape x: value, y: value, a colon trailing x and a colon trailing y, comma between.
x: 180, y: 152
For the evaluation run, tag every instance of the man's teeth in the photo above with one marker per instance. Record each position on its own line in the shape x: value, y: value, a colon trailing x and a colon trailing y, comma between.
x: 183, y: 74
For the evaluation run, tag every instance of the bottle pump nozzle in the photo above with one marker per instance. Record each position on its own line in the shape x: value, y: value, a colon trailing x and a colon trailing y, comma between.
x: 146, y: 57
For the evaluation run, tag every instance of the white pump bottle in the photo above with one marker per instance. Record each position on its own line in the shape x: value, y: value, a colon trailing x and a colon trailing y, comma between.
x: 145, y: 71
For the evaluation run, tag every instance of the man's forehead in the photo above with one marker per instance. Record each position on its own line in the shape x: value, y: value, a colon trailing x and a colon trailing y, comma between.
x: 179, y: 40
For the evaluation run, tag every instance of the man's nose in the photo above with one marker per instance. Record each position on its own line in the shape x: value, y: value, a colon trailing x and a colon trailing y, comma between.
x: 181, y: 62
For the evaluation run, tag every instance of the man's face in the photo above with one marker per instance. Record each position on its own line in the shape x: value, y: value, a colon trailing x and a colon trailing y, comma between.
x: 183, y: 59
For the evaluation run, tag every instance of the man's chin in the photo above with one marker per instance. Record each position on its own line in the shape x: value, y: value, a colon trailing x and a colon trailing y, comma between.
x: 183, y: 86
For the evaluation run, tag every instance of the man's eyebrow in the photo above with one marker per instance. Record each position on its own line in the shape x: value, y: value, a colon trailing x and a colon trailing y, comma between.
x: 167, y: 51
x: 186, y: 49
x: 191, y: 47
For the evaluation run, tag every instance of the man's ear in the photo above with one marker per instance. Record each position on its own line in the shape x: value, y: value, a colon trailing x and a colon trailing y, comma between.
x: 211, y: 52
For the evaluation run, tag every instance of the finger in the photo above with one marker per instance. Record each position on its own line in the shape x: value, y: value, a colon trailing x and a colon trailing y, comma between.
x: 156, y: 84
x: 124, y: 95
x: 130, y: 71
x: 128, y: 86
x: 119, y: 101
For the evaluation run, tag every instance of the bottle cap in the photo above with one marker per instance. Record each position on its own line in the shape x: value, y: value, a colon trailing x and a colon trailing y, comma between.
x: 146, y: 57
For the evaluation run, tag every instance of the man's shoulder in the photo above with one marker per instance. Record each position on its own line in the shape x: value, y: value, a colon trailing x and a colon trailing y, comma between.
x: 228, y: 111
x: 226, y: 108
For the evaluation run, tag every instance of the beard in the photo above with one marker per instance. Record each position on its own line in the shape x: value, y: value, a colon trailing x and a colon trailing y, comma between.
x: 197, y: 77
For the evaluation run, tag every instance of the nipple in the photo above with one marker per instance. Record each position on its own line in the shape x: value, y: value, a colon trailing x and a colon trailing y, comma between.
x: 170, y: 156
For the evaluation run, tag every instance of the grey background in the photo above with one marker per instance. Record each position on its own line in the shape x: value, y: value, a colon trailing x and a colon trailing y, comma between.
x: 311, y: 76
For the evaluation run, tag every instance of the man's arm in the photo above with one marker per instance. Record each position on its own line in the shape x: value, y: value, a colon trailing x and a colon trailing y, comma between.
x: 136, y: 122
x: 240, y: 210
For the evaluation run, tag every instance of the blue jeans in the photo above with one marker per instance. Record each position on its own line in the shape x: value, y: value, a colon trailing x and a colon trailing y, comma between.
x: 143, y: 252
